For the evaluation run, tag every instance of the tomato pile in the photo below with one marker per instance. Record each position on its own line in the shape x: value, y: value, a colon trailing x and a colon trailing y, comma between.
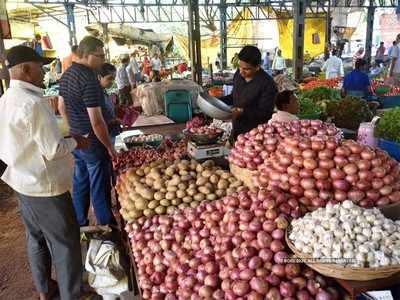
x: 332, y: 83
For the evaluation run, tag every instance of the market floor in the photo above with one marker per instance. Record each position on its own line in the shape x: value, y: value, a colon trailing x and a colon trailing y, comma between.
x: 15, y: 276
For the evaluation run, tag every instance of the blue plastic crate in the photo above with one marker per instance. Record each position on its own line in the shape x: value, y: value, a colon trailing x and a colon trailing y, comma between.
x: 390, y: 147
x: 391, y: 101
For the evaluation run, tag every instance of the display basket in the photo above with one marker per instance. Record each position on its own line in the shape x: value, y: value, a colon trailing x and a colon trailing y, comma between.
x: 244, y: 175
x: 340, y: 271
x: 392, y: 148
x: 129, y: 142
x: 203, y: 139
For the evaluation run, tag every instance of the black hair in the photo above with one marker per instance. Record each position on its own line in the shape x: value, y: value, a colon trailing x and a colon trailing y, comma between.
x: 334, y: 52
x: 107, y: 69
x: 88, y: 45
x: 250, y: 55
x: 125, y: 59
x: 74, y: 49
x: 360, y: 63
x: 283, y: 98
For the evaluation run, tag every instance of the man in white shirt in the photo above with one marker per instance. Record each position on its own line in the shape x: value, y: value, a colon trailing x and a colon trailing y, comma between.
x: 333, y: 66
x: 39, y: 169
x: 278, y: 64
x: 156, y: 65
x: 133, y: 71
x: 122, y: 80
x: 394, y: 70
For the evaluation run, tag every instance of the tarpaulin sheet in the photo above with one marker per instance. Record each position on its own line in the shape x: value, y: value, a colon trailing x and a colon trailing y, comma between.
x: 314, y: 37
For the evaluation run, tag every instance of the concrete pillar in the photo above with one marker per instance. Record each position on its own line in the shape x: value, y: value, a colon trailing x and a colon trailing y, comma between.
x: 223, y: 35
x: 195, y: 41
x: 370, y: 30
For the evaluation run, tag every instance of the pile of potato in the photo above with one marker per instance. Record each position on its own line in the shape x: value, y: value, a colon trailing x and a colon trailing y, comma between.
x: 162, y: 186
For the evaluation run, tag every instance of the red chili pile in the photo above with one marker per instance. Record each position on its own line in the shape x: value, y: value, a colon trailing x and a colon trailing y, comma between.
x: 227, y: 249
x: 138, y: 156
x: 252, y: 148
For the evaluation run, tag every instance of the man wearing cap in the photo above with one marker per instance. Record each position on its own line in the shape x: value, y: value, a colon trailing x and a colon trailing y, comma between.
x: 38, y: 160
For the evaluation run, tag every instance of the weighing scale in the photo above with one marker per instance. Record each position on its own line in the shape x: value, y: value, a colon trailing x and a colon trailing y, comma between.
x: 199, y: 152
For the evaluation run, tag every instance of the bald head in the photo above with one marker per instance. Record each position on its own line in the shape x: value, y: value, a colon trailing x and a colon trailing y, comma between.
x: 30, y: 72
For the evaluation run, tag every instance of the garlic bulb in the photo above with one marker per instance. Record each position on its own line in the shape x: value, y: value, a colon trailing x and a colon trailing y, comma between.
x: 350, y: 234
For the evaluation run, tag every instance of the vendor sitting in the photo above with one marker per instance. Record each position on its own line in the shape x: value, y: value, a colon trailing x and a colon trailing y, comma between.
x: 357, y: 83
x: 287, y: 107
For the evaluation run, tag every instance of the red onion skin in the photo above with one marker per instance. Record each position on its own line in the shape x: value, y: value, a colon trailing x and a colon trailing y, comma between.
x: 323, y: 295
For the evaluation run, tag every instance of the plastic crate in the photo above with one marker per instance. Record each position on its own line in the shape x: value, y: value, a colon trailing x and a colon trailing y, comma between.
x: 390, y: 147
x: 178, y: 105
x: 391, y: 101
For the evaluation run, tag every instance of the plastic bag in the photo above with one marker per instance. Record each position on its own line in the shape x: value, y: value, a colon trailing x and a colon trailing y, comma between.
x: 106, y: 275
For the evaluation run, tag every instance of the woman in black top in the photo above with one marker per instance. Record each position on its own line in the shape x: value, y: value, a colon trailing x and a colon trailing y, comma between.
x: 253, y: 93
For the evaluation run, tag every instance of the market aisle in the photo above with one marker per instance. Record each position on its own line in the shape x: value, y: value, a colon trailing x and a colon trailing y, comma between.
x: 15, y: 277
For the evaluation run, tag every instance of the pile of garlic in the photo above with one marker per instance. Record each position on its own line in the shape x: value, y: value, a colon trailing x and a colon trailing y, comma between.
x: 348, y: 234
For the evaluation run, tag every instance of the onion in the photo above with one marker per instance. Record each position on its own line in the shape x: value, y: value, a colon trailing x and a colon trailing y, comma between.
x: 292, y: 270
x: 287, y: 289
x: 280, y: 257
x: 273, y: 294
x: 276, y: 246
x: 303, y: 295
x: 312, y: 286
x: 240, y: 287
x: 341, y: 184
x: 299, y: 282
x: 323, y: 295
x: 278, y: 270
x: 211, y: 280
x: 278, y: 234
x: 205, y: 291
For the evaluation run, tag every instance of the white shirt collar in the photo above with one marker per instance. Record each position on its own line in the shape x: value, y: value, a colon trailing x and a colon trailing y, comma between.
x: 26, y: 85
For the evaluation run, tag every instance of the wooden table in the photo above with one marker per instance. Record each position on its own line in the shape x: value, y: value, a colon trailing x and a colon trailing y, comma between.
x: 355, y: 288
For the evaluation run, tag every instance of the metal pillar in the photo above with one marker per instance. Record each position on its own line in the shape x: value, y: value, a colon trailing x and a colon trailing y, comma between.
x: 195, y: 42
x: 328, y: 32
x: 4, y: 75
x: 223, y: 35
x: 299, y: 9
x: 106, y: 40
x: 370, y: 29
x: 69, y: 8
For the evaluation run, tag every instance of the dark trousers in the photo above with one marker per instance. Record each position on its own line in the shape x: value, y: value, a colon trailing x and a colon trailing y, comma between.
x: 92, y: 180
x: 124, y: 95
x: 52, y: 235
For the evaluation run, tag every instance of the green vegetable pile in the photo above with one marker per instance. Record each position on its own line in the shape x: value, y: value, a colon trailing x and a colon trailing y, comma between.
x: 349, y: 112
x: 388, y: 127
x: 308, y: 109
x: 320, y: 96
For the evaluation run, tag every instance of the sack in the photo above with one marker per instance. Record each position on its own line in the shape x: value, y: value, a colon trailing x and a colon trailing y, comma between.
x: 106, y: 275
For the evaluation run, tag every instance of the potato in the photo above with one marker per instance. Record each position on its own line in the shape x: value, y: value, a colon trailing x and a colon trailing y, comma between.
x: 176, y: 179
x: 163, y: 190
x: 186, y: 178
x: 201, y: 181
x: 204, y: 190
x: 146, y: 193
x: 199, y: 197
x: 142, y: 180
x: 183, y: 167
x: 214, y: 179
x: 160, y: 210
x: 135, y: 213
x: 199, y: 168
x: 226, y: 175
x: 134, y: 195
x: 170, y: 195
x: 148, y: 212
x: 187, y: 199
x: 141, y: 203
x: 232, y: 179
x: 208, y: 164
x: 182, y: 186
x: 191, y: 192
x: 206, y: 173
x: 220, y: 193
x: 130, y: 205
x: 165, y: 202
x: 235, y: 184
x: 171, y: 209
x: 176, y: 201
x: 181, y: 194
x: 222, y: 184
x: 192, y: 186
x: 185, y: 162
x: 153, y: 204
x: 170, y: 171
x: 183, y: 173
x: 149, y: 181
x: 219, y: 172
x: 183, y: 205
x: 209, y: 185
x: 211, y: 197
x: 140, y: 172
x: 147, y: 170
x: 194, y: 204
x: 230, y: 191
x: 172, y: 188
x: 158, y: 184
x: 193, y: 174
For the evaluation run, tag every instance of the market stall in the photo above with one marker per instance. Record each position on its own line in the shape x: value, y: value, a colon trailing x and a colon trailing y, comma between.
x: 197, y: 230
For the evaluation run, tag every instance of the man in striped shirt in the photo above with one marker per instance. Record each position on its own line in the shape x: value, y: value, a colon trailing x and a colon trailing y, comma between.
x: 86, y: 111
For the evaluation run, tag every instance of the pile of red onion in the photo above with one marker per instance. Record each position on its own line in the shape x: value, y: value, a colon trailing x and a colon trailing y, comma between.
x: 138, y: 156
x: 320, y: 169
x: 253, y: 147
x: 227, y: 249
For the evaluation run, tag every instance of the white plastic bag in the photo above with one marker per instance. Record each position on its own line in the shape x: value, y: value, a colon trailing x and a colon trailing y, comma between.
x: 106, y: 275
